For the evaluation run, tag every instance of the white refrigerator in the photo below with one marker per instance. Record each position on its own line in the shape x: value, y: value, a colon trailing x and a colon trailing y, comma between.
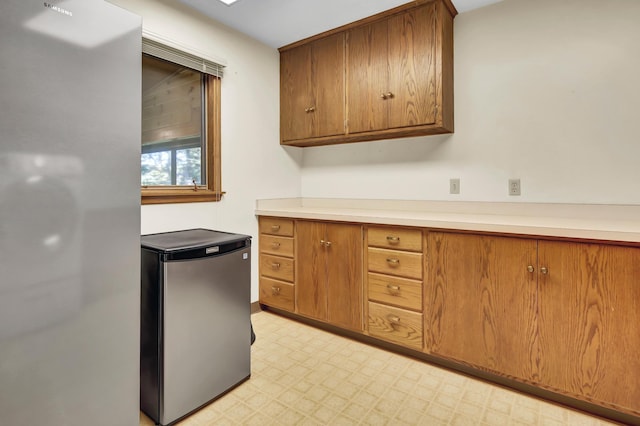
x: 69, y: 213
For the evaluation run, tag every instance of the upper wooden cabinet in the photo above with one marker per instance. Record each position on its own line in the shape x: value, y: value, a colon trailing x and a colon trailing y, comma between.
x: 383, y: 77
x: 312, y: 90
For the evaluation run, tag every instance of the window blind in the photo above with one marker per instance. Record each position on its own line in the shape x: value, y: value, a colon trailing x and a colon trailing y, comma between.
x: 162, y: 51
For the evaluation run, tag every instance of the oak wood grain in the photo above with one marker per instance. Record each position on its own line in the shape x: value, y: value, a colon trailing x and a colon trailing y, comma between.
x: 395, y: 262
x: 276, y: 226
x: 395, y: 238
x: 278, y: 267
x: 480, y: 302
x: 589, y: 322
x: 272, y: 244
x: 400, y: 292
x: 311, y: 270
x: 412, y: 67
x: 277, y: 293
x: 395, y: 325
x: 344, y: 275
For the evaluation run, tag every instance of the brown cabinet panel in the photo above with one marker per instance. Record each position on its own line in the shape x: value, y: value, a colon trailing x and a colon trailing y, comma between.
x: 367, y: 77
x: 276, y: 267
x: 480, y: 302
x: 296, y: 94
x: 395, y: 238
x: 330, y: 272
x: 276, y: 226
x: 589, y: 322
x: 312, y: 89
x: 311, y: 294
x: 400, y: 292
x: 412, y: 67
x: 392, y: 262
x: 280, y: 246
x: 344, y: 275
x: 277, y: 293
x: 395, y: 325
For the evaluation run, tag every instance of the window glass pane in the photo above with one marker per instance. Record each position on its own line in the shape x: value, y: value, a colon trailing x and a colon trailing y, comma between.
x: 188, y: 165
x: 172, y: 123
x: 156, y: 168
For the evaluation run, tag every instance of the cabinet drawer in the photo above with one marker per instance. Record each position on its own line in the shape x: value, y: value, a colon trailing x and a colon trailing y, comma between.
x: 276, y: 267
x: 395, y: 291
x: 280, y: 246
x: 276, y: 293
x: 276, y: 226
x: 395, y: 325
x: 393, y: 262
x: 395, y: 238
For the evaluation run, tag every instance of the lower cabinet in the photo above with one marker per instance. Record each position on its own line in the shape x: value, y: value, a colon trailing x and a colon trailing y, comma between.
x: 394, y: 285
x: 329, y: 273
x: 561, y: 315
x: 589, y: 322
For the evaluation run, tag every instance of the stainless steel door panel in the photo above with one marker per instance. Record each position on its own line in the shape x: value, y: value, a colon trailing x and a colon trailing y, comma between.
x: 207, y: 330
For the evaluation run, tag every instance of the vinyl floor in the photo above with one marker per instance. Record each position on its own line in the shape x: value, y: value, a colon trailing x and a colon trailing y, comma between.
x: 301, y: 375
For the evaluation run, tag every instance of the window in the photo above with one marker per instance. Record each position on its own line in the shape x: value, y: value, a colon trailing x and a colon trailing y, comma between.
x: 180, y: 155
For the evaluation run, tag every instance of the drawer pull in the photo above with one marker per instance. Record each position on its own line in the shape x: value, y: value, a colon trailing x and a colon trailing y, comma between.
x: 275, y: 265
x: 393, y: 319
x: 393, y: 240
x: 275, y: 291
x: 325, y: 243
x: 275, y: 245
x: 393, y: 261
x: 393, y: 289
x: 275, y: 228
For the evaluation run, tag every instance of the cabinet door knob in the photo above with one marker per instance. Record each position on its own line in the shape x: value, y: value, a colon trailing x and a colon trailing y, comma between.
x: 275, y: 228
x: 393, y: 240
x: 393, y: 261
x: 544, y: 270
x: 383, y: 96
x: 389, y: 95
x: 275, y: 265
x: 530, y: 268
x: 275, y: 291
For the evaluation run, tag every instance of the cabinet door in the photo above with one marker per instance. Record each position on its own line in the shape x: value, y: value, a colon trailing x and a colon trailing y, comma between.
x: 311, y: 270
x: 295, y: 93
x: 480, y: 302
x: 589, y: 321
x: 412, y: 67
x: 327, y: 69
x: 344, y: 275
x: 367, y: 77
x: 312, y: 89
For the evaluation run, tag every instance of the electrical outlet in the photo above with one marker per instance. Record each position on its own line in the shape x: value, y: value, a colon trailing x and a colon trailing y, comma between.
x: 514, y: 186
x: 454, y: 186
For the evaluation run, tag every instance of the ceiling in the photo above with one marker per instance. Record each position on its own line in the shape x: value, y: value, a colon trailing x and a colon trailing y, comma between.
x: 279, y: 22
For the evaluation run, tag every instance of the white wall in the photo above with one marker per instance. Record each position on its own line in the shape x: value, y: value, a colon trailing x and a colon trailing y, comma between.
x: 546, y: 91
x: 253, y: 163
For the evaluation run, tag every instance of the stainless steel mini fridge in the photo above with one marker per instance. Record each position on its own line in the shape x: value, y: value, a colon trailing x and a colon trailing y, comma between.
x: 195, y: 320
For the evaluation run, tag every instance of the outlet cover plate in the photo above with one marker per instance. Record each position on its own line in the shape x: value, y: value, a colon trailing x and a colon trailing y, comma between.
x: 514, y: 186
x: 454, y: 186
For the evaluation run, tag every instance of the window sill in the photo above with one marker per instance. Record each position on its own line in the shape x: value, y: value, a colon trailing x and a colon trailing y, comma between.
x: 174, y: 196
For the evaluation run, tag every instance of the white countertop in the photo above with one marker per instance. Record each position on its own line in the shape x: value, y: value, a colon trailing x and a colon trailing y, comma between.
x: 584, y: 221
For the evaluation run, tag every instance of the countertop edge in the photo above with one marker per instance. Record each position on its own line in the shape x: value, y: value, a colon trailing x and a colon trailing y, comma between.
x: 613, y: 229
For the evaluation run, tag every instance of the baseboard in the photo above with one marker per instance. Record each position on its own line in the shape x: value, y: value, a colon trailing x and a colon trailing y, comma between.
x: 255, y: 307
